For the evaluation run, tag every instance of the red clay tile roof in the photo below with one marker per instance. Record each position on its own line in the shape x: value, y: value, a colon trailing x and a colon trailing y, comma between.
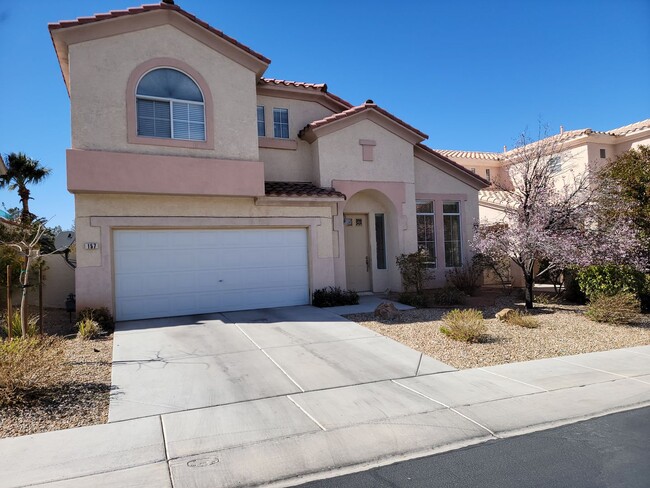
x: 321, y: 87
x: 316, y: 86
x: 148, y: 8
x: 292, y: 189
x: 358, y: 109
x: 493, y: 156
x: 453, y: 163
x: 627, y: 129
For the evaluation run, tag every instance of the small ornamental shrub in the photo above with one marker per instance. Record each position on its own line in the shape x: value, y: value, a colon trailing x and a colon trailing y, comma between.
x: 522, y: 320
x: 610, y: 280
x: 621, y: 308
x: 27, y: 366
x: 464, y: 325
x: 88, y: 329
x: 100, y: 315
x: 412, y: 299
x: 414, y: 269
x: 448, y: 295
x: 16, y: 329
x: 468, y: 278
x: 334, y: 296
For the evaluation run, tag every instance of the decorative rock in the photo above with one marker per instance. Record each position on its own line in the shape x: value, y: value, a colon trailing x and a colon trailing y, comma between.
x: 504, y: 314
x: 386, y: 311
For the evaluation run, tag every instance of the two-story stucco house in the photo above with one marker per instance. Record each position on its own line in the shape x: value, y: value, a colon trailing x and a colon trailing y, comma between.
x: 202, y: 186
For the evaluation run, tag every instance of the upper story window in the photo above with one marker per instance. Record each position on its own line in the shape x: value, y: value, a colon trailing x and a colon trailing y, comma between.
x: 170, y: 105
x: 487, y: 175
x: 281, y: 123
x: 261, y: 127
x: 555, y: 164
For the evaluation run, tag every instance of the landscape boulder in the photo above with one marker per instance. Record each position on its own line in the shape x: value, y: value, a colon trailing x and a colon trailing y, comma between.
x: 505, y: 314
x: 386, y: 311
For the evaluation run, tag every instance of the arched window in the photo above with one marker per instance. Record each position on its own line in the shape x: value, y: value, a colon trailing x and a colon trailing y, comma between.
x: 170, y: 105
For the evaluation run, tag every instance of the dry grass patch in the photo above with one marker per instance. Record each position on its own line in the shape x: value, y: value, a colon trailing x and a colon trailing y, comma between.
x: 464, y: 325
x: 522, y: 319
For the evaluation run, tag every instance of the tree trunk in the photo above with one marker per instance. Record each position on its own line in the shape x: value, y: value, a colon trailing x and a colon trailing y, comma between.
x: 528, y: 291
x: 23, y: 299
x: 25, y: 215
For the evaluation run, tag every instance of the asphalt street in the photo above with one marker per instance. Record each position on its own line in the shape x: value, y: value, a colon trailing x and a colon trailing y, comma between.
x: 609, y: 451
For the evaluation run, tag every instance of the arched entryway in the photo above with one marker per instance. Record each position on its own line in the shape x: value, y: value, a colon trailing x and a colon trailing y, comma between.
x: 370, y: 241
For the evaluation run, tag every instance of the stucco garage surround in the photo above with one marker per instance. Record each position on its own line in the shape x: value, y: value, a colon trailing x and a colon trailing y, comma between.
x: 160, y: 273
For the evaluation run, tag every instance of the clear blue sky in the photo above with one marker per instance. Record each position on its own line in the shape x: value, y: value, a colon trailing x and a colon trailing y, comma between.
x: 471, y: 74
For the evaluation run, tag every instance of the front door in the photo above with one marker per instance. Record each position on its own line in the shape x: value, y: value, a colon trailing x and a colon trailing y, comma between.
x: 357, y: 252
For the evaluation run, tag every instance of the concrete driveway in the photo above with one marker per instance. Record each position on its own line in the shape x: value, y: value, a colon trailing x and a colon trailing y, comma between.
x: 169, y: 365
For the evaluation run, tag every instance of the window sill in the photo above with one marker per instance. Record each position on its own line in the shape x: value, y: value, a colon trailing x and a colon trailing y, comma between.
x: 277, y: 143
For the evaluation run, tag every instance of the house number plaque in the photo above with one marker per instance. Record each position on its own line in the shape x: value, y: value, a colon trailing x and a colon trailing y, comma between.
x: 90, y: 245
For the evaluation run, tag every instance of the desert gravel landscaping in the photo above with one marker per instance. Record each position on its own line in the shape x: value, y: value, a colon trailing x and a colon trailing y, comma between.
x: 563, y: 331
x: 79, y: 391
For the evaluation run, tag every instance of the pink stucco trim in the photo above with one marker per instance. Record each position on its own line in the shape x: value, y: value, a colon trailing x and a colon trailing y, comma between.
x: 367, y: 149
x: 131, y: 118
x: 395, y: 191
x: 448, y: 197
x: 273, y: 143
x: 111, y: 172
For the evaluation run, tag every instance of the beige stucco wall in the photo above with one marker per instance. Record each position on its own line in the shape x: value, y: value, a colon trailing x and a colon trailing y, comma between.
x: 283, y: 164
x: 98, y: 214
x: 100, y: 69
x: 340, y: 158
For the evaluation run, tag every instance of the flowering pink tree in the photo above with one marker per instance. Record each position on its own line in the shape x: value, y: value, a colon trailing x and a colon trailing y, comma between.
x: 553, y: 216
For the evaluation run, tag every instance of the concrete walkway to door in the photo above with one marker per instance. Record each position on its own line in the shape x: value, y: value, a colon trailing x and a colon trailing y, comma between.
x: 180, y: 363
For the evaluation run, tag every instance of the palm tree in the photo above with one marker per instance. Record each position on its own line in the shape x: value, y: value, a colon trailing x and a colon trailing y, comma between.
x: 23, y: 171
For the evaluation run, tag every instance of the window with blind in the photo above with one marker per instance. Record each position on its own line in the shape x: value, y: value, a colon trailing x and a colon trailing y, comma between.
x: 281, y: 123
x: 170, y: 105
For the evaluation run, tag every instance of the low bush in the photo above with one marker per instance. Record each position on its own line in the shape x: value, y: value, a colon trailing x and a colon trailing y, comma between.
x: 468, y: 278
x: 412, y: 299
x: 100, y: 315
x: 521, y: 319
x: 611, y: 279
x: 448, y: 295
x: 334, y: 296
x: 464, y: 325
x: 88, y: 329
x: 28, y: 366
x: 621, y: 308
x: 16, y: 329
x: 415, y: 269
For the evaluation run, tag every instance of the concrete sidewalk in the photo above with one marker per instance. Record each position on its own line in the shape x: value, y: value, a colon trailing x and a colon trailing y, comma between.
x: 289, y: 439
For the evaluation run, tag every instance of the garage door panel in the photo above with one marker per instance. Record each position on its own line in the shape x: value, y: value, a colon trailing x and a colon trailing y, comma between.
x: 178, y: 272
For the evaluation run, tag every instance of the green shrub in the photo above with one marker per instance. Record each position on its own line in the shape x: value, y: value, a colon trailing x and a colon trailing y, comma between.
x: 16, y: 329
x: 412, y: 299
x: 522, y: 320
x: 88, y: 329
x: 414, y: 269
x: 448, y: 295
x: 27, y: 366
x: 100, y: 315
x: 334, y: 296
x: 464, y: 325
x: 468, y: 278
x: 611, y: 279
x: 621, y: 308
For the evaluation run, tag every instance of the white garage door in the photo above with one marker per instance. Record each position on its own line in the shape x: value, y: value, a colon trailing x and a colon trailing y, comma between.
x: 162, y: 273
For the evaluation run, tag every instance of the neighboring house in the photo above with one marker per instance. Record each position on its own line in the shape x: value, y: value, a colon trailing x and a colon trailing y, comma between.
x: 202, y: 186
x: 579, y: 151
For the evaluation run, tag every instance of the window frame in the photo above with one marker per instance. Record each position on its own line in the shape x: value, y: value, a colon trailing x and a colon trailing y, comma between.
x: 280, y: 124
x: 171, y: 101
x: 132, y: 113
x: 263, y: 121
x: 434, y: 263
x: 460, y: 231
